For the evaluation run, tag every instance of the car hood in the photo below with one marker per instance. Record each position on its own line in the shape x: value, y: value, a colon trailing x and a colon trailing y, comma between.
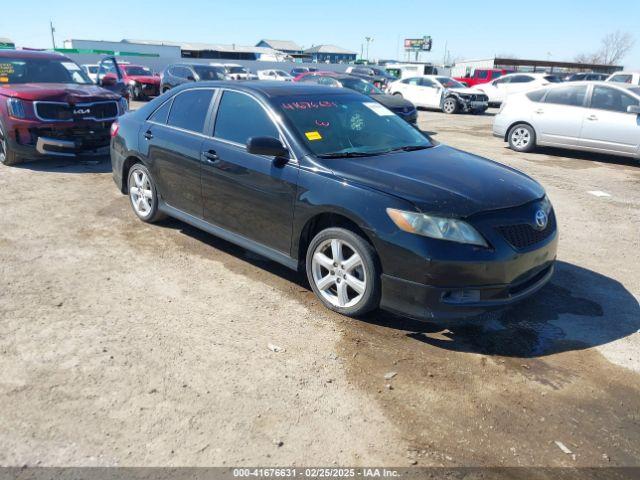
x: 393, y: 102
x: 144, y: 79
x: 441, y: 180
x: 57, y: 92
x: 464, y: 90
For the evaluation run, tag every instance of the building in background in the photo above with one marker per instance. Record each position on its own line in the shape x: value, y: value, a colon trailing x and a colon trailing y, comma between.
x: 330, y: 54
x: 465, y: 68
x: 288, y: 47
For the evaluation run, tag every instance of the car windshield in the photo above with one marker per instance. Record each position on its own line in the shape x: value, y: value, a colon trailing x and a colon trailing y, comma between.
x: 236, y: 70
x: 347, y: 125
x: 136, y: 70
x: 448, y: 82
x: 92, y: 69
x: 41, y: 70
x: 209, y: 73
x: 361, y: 86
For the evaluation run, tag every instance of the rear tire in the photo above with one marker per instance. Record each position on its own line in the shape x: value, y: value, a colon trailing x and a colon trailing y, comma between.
x: 143, y: 194
x: 343, y: 272
x: 450, y: 106
x: 522, y: 138
x: 7, y: 156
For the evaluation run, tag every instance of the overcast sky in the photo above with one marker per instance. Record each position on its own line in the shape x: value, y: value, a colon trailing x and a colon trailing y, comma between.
x: 540, y: 29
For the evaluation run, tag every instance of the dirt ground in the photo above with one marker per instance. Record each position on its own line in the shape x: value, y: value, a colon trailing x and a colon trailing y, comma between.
x: 128, y: 344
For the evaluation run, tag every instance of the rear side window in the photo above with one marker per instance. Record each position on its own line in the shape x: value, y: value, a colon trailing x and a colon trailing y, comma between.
x: 536, y: 95
x: 161, y: 114
x: 189, y: 110
x: 521, y: 79
x: 231, y: 121
x: 573, y: 96
x: 621, y: 78
x: 605, y: 98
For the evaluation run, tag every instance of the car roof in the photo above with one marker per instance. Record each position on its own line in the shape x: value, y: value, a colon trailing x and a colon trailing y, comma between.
x: 270, y: 88
x: 625, y: 86
x: 31, y: 54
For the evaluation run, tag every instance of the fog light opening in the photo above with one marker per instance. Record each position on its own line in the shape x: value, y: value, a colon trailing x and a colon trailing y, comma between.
x: 461, y: 296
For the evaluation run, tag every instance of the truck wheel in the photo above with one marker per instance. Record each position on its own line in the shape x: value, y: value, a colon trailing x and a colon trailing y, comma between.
x: 343, y: 272
x: 522, y: 138
x: 7, y: 156
x: 450, y: 106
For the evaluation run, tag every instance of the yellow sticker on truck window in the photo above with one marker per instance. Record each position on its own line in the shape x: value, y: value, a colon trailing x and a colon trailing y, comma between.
x: 313, y: 136
x: 4, y: 79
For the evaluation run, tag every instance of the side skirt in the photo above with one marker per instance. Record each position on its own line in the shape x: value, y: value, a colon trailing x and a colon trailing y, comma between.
x: 239, y: 240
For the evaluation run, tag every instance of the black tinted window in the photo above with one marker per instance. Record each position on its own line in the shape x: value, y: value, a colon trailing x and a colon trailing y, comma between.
x: 567, y: 95
x: 606, y: 98
x: 189, y: 110
x: 536, y: 95
x: 161, y: 114
x: 521, y: 79
x: 240, y: 117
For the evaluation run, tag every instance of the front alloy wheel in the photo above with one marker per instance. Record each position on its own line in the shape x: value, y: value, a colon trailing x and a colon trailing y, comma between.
x: 342, y: 271
x: 450, y: 106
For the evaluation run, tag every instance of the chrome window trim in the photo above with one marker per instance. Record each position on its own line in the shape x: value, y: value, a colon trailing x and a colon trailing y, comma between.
x: 85, y: 104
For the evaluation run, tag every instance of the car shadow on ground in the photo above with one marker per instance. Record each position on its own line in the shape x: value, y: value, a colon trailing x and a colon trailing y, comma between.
x: 580, y: 155
x: 94, y: 164
x: 578, y: 309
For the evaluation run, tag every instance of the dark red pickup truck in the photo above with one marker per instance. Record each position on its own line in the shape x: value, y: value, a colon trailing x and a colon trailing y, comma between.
x: 50, y: 107
x: 482, y: 75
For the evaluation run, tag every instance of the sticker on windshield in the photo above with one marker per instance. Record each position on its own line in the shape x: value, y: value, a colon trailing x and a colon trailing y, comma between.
x: 72, y: 67
x: 6, y: 69
x: 313, y: 136
x: 378, y: 109
x: 4, y: 79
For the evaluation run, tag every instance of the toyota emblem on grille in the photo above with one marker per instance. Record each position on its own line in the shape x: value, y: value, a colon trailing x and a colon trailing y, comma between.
x: 541, y: 220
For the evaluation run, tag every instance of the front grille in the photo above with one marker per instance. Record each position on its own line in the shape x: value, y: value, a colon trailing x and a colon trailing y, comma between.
x: 51, y: 111
x: 474, y: 97
x: 85, y: 138
x: 524, y: 235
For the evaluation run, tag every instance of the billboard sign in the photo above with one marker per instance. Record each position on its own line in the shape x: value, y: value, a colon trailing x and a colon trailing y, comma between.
x: 418, y: 44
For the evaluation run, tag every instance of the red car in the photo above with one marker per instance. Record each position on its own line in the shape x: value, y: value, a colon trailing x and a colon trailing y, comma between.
x: 315, y: 73
x: 49, y: 107
x: 141, y: 80
x: 482, y: 75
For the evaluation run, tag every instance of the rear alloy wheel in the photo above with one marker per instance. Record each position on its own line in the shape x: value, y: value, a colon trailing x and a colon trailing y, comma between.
x: 450, y: 106
x: 7, y: 157
x: 343, y: 273
x: 522, y: 138
x: 142, y: 194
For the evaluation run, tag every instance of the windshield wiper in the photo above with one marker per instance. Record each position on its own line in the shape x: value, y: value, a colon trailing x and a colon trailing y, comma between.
x: 346, y: 155
x: 408, y: 148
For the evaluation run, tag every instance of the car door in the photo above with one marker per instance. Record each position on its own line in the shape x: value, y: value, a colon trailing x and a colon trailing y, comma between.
x: 172, y: 140
x: 110, y: 76
x: 558, y: 119
x: 517, y: 84
x: 250, y: 195
x: 430, y: 93
x: 409, y: 88
x: 496, y: 89
x: 608, y: 126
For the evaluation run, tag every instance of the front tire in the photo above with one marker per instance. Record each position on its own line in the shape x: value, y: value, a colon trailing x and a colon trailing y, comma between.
x: 7, y: 156
x: 450, y: 106
x: 143, y: 194
x: 522, y: 138
x: 343, y: 272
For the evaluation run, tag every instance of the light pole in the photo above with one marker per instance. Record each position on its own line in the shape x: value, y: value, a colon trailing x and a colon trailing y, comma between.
x: 53, y: 30
x: 368, y: 40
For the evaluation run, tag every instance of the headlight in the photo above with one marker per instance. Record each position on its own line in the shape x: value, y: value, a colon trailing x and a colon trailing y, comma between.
x: 131, y: 83
x: 436, y: 227
x: 16, y: 108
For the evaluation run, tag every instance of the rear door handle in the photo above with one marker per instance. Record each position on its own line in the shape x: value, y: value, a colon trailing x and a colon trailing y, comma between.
x: 210, y: 156
x: 539, y: 111
x: 592, y: 118
x: 148, y: 135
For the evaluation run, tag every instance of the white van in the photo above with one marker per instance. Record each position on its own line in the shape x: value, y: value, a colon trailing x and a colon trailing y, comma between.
x: 407, y: 70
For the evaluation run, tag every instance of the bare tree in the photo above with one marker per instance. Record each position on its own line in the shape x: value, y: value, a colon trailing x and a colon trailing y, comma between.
x: 614, y: 47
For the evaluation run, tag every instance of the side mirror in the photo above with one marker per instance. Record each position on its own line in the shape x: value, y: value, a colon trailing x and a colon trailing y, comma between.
x: 108, y: 81
x: 635, y: 109
x: 268, y: 146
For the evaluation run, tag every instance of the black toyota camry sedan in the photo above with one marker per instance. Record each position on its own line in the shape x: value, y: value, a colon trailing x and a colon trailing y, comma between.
x: 330, y: 182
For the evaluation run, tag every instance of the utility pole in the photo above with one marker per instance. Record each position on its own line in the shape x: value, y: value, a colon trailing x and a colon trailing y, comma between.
x: 53, y: 37
x: 368, y: 40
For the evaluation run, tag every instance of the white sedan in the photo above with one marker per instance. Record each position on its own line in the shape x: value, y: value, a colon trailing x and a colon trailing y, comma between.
x: 500, y: 89
x: 592, y: 116
x: 439, y: 92
x: 278, y: 75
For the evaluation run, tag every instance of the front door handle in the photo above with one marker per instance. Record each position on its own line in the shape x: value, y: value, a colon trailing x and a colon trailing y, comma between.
x: 592, y: 118
x: 148, y: 135
x: 210, y: 156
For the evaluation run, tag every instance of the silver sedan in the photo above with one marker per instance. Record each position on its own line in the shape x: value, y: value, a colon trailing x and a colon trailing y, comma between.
x: 591, y: 116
